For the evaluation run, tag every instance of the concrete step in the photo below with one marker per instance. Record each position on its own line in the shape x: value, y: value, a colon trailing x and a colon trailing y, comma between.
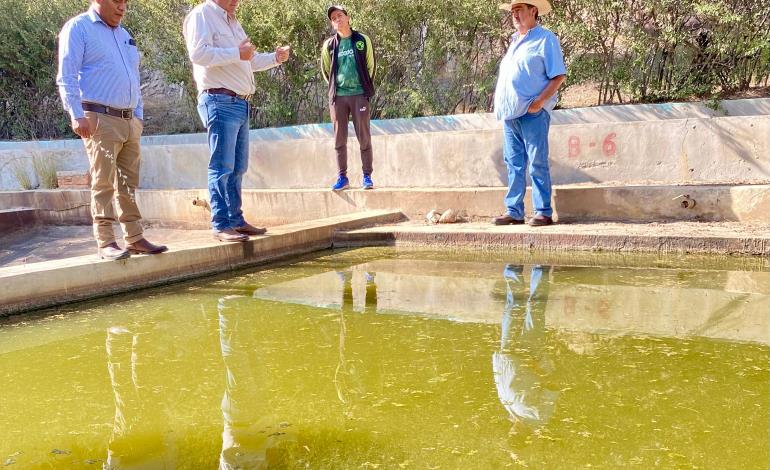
x: 45, y: 284
x: 676, y: 237
x: 627, y: 203
x: 18, y: 218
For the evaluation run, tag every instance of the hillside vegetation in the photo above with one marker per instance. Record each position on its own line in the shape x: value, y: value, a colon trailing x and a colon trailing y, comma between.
x: 433, y: 57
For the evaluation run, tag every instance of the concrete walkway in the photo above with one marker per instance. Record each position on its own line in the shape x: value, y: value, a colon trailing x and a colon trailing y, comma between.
x: 49, y: 243
x: 61, y: 277
x: 37, y: 249
x: 49, y: 265
x: 675, y: 237
x: 52, y: 243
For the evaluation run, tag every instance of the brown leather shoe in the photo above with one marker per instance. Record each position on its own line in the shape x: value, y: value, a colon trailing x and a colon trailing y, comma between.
x: 248, y: 229
x: 229, y: 235
x: 540, y: 220
x: 507, y: 220
x: 143, y: 247
x: 113, y: 252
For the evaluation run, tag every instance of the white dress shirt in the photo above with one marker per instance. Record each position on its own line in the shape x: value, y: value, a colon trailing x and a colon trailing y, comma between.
x: 212, y: 40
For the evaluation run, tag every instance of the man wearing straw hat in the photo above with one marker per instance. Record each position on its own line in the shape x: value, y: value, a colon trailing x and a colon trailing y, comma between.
x: 531, y: 72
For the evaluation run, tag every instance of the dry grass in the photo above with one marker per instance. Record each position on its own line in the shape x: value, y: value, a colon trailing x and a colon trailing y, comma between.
x: 22, y: 176
x: 45, y: 168
x: 584, y: 95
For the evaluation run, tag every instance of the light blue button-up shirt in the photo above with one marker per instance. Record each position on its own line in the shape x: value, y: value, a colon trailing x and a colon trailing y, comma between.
x: 531, y: 62
x: 99, y: 64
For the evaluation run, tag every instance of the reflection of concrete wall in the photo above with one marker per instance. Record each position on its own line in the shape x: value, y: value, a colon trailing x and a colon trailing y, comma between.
x: 715, y: 304
x: 456, y: 298
x: 659, y: 311
x: 667, y: 143
x: 403, y: 291
x: 459, y: 291
x: 322, y: 290
x: 748, y: 282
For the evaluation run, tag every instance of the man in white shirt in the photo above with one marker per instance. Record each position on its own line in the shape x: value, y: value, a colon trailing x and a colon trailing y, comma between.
x: 223, y: 64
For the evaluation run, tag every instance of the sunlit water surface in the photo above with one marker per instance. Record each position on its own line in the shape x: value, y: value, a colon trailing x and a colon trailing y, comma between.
x: 386, y: 358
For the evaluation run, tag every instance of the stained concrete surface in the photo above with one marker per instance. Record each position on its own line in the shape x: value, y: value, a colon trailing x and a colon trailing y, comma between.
x: 666, y: 142
x: 675, y: 237
x: 33, y: 285
x: 47, y: 243
x: 640, y: 202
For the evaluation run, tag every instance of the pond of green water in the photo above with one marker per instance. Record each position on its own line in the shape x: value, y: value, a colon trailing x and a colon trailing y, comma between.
x: 393, y: 358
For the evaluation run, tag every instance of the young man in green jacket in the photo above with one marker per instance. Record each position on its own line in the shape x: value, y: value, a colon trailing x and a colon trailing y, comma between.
x: 348, y: 65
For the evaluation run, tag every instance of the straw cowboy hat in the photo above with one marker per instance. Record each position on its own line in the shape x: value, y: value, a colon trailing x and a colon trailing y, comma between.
x: 543, y: 7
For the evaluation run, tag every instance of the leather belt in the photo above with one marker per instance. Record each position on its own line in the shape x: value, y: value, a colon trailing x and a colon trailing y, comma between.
x: 102, y: 109
x: 228, y: 92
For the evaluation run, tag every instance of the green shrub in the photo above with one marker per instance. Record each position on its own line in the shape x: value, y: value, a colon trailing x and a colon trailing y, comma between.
x: 433, y: 57
x: 29, y: 102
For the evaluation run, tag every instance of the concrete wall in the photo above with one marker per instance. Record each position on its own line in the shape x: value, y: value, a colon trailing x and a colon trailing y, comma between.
x: 174, y: 208
x: 660, y: 143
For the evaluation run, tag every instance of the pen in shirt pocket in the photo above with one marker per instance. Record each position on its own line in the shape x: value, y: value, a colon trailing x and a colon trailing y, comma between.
x: 131, y: 42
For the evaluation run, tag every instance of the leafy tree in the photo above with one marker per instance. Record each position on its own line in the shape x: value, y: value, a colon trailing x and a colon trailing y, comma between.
x: 433, y: 57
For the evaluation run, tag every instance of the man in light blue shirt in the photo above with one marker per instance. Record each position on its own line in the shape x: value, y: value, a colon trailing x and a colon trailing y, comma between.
x: 524, y: 371
x: 531, y: 72
x: 98, y: 81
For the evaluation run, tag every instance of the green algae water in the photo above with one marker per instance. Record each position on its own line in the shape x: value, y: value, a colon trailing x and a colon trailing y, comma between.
x: 392, y: 358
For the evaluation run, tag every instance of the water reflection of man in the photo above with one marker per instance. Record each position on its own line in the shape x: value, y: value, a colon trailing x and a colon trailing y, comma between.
x: 251, y: 436
x: 370, y: 296
x: 345, y: 376
x: 523, y: 369
x: 370, y: 290
x: 137, y: 440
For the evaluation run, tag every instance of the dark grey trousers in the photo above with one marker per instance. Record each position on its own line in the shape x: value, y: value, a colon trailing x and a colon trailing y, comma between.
x: 357, y: 107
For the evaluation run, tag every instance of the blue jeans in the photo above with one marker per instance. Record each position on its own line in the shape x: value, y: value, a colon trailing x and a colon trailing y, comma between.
x: 525, y: 142
x: 227, y: 120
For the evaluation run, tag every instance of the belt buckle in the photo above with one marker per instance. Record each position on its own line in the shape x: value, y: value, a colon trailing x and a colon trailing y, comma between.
x: 126, y: 113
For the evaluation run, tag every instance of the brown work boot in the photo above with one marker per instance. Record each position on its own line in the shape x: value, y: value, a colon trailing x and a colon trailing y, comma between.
x: 229, y: 235
x: 506, y: 220
x: 540, y: 220
x: 143, y: 247
x: 248, y: 229
x: 113, y: 252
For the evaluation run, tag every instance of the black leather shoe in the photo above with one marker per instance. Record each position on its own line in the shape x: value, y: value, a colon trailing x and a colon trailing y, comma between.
x: 230, y: 235
x: 113, y: 252
x: 540, y: 221
x: 248, y: 229
x: 143, y: 247
x: 506, y: 220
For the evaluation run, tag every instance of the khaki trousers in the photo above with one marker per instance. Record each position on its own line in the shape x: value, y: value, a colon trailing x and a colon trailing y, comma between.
x: 114, y: 155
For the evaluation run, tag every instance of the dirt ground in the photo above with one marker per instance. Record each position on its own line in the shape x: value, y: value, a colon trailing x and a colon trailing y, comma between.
x: 586, y: 95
